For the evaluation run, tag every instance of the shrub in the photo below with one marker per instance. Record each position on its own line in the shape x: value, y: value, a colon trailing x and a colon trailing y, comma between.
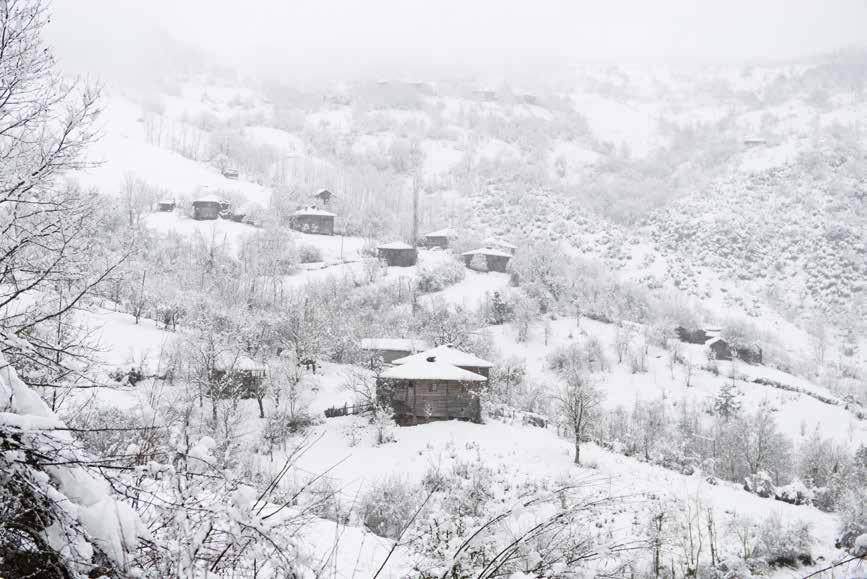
x: 785, y: 545
x: 309, y: 253
x: 436, y: 278
x: 388, y: 506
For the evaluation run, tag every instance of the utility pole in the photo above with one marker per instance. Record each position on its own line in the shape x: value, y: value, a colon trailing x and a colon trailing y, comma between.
x: 415, y: 209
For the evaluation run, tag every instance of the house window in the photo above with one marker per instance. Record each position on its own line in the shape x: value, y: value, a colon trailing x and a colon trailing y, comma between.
x: 432, y: 387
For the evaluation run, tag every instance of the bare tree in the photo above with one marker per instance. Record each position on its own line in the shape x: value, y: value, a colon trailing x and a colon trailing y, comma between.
x: 579, y: 399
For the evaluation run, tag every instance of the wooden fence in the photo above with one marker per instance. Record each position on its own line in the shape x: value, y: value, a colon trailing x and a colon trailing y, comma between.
x: 346, y: 410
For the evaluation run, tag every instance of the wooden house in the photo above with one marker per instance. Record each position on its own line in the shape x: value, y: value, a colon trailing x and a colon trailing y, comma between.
x: 720, y: 349
x: 166, y: 205
x: 397, y: 254
x: 209, y: 207
x: 441, y: 238
x: 237, y: 376
x: 313, y: 220
x: 446, y: 353
x: 390, y: 349
x: 501, y: 244
x: 491, y: 259
x: 430, y: 389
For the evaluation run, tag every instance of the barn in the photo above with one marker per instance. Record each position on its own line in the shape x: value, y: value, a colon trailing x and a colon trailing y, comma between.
x: 441, y: 238
x: 313, y: 220
x: 397, y: 254
x: 166, y: 205
x: 501, y: 244
x: 491, y: 259
x: 453, y: 356
x: 208, y: 207
x: 430, y: 389
x: 390, y: 349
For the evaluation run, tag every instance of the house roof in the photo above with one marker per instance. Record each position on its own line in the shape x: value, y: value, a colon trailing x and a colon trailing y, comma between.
x: 395, y: 344
x: 394, y: 245
x: 448, y: 355
x: 487, y: 251
x: 713, y: 341
x: 495, y: 242
x: 233, y: 361
x: 322, y: 193
x: 209, y: 199
x: 447, y: 232
x: 312, y: 211
x: 436, y: 370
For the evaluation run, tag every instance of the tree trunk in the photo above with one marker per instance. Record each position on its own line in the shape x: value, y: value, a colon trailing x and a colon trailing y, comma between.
x: 261, y: 407
x: 577, y: 450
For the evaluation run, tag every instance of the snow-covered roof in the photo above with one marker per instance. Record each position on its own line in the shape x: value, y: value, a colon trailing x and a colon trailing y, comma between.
x: 312, y: 211
x: 713, y: 341
x: 394, y: 344
x: 487, y: 251
x: 231, y: 361
x: 448, y: 355
x: 394, y: 245
x: 166, y: 201
x: 423, y: 369
x: 209, y: 199
x: 447, y: 232
x: 495, y: 242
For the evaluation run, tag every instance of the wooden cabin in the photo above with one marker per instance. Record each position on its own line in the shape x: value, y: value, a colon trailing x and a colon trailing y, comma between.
x: 492, y: 259
x: 166, y: 205
x: 397, y: 254
x: 446, y: 353
x: 237, y: 376
x: 313, y: 220
x: 430, y: 389
x: 390, y: 349
x: 209, y: 207
x: 230, y: 173
x: 441, y: 238
x: 501, y: 244
x: 720, y: 349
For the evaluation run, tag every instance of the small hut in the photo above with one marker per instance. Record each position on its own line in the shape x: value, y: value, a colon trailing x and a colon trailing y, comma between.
x: 390, y: 349
x: 431, y: 389
x: 500, y: 244
x: 453, y: 356
x: 720, y: 349
x: 230, y: 173
x: 324, y: 196
x: 313, y: 220
x: 397, y: 254
x: 166, y: 205
x: 441, y: 238
x: 487, y: 259
x: 208, y: 207
x: 237, y: 375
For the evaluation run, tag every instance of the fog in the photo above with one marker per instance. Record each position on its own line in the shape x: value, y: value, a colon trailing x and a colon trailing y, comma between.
x: 339, y: 38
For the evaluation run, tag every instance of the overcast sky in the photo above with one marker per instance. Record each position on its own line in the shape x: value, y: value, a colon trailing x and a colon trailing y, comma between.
x: 345, y: 37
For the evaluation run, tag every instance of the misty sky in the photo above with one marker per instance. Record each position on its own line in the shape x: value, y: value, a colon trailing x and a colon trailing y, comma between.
x: 345, y: 37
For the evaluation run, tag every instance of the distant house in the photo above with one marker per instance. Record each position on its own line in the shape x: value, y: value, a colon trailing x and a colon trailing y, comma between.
x: 431, y: 389
x: 166, y: 205
x: 230, y: 173
x: 313, y: 220
x: 209, y: 207
x: 492, y: 259
x: 720, y: 349
x: 237, y: 375
x: 441, y: 238
x: 446, y: 353
x: 485, y: 94
x: 755, y: 141
x: 391, y: 349
x: 528, y: 99
x: 397, y: 254
x: 502, y: 244
x: 324, y: 196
